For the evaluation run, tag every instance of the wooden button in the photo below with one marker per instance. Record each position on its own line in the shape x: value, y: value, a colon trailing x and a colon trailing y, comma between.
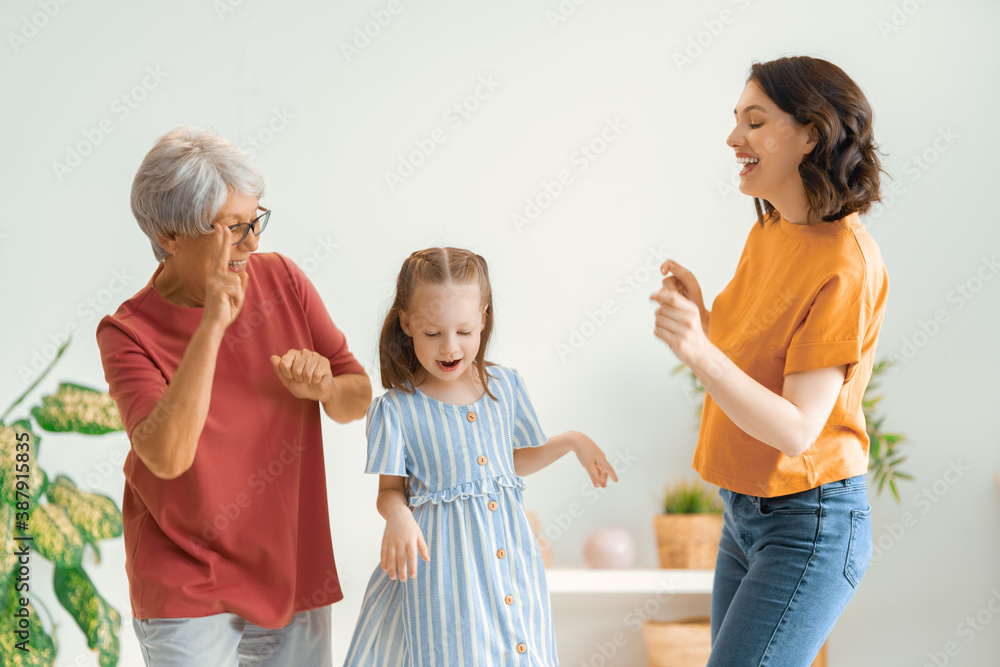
x: 471, y: 416
x: 522, y: 648
x: 501, y: 553
x: 493, y: 505
x: 481, y: 460
x: 509, y: 599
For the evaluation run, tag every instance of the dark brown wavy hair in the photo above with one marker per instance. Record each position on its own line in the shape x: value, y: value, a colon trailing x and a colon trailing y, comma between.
x: 433, y: 266
x: 841, y: 173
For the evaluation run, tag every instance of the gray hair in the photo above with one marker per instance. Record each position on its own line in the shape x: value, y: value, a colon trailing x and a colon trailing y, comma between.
x: 184, y: 181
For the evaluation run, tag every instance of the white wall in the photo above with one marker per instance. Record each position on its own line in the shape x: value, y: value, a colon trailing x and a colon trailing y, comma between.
x: 664, y: 185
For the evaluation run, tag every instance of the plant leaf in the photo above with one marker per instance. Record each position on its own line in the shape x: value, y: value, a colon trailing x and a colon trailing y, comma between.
x: 24, y: 426
x: 96, y: 516
x: 41, y: 377
x: 40, y: 647
x: 883, y: 461
x: 96, y: 548
x: 8, y: 561
x: 56, y: 538
x: 79, y: 409
x: 690, y: 498
x: 98, y: 620
x: 32, y: 487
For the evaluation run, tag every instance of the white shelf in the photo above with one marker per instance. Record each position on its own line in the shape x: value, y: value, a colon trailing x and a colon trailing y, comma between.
x: 676, y: 582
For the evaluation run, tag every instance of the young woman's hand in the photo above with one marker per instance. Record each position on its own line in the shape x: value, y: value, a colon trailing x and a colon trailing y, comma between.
x: 678, y: 324
x: 593, y: 460
x: 684, y: 283
x: 681, y: 319
x: 401, y: 544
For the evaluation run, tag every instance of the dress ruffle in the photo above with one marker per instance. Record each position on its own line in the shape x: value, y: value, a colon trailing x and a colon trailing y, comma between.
x: 479, y: 487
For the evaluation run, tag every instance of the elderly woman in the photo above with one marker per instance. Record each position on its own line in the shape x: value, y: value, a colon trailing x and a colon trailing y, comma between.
x: 219, y: 366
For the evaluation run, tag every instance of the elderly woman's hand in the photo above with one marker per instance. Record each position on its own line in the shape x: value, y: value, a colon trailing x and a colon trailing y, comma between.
x: 224, y: 289
x: 305, y: 373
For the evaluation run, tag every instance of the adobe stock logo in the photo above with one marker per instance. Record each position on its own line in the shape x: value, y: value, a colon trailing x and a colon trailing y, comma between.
x: 229, y: 513
x: 900, y: 15
x: 278, y: 122
x: 703, y: 40
x: 425, y: 146
x: 122, y: 107
x: 364, y: 35
x: 583, y: 157
x: 30, y: 27
x: 962, y: 294
x: 594, y: 320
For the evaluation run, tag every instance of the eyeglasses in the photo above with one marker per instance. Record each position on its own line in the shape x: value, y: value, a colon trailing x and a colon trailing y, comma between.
x: 257, y: 224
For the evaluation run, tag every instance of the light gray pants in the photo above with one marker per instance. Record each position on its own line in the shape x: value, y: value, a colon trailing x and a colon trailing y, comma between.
x: 226, y: 640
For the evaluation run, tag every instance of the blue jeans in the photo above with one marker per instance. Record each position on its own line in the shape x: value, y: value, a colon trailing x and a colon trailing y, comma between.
x: 787, y: 568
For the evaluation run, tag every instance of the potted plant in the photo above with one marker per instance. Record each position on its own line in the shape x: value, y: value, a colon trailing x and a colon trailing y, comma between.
x: 58, y: 520
x: 689, y: 529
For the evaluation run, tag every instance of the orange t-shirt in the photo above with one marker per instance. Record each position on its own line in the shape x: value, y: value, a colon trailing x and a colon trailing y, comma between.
x: 803, y: 297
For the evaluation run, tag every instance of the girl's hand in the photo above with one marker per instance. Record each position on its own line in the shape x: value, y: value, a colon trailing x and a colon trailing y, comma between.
x: 593, y: 460
x: 401, y: 543
x: 305, y: 373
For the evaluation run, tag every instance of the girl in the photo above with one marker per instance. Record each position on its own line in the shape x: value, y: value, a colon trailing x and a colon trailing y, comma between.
x: 785, y: 364
x: 461, y: 579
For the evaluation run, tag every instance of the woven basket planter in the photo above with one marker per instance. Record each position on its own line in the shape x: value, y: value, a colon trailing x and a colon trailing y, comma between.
x: 686, y: 643
x: 688, y: 541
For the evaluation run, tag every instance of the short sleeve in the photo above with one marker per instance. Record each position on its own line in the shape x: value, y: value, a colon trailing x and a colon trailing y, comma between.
x: 134, y: 381
x: 832, y: 332
x: 386, y: 448
x: 328, y: 340
x: 527, y: 432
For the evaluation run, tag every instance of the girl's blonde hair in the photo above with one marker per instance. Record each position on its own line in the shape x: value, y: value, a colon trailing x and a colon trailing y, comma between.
x: 433, y: 266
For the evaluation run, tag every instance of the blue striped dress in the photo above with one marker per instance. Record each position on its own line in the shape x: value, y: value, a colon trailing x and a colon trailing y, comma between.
x: 482, y: 599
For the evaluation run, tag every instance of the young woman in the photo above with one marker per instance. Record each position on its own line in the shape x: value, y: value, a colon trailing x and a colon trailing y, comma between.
x: 785, y: 355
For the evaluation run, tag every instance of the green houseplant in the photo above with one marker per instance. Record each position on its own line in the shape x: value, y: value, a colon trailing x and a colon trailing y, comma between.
x: 689, y: 528
x: 884, y: 459
x: 56, y: 520
x: 690, y: 498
